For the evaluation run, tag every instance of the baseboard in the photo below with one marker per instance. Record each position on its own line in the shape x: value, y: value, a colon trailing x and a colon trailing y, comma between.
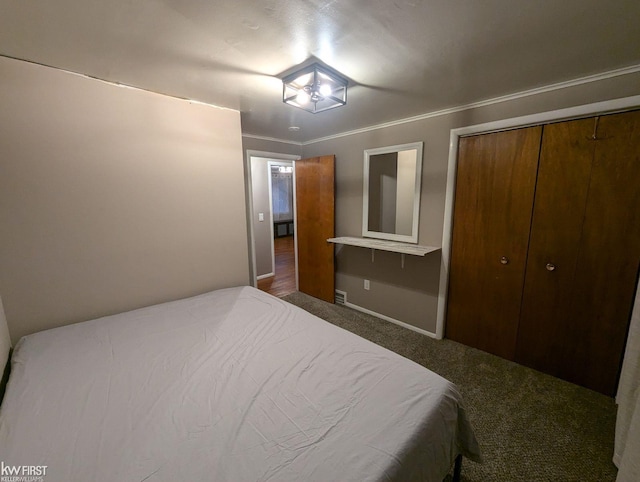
x: 263, y: 276
x: 391, y: 320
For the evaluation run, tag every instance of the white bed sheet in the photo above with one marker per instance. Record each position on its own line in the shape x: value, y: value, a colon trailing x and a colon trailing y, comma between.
x: 233, y: 385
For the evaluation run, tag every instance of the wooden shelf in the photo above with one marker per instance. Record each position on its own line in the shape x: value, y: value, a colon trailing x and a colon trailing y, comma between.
x: 383, y: 245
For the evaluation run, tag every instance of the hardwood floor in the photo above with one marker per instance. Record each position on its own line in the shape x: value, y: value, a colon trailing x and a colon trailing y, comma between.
x: 284, y: 281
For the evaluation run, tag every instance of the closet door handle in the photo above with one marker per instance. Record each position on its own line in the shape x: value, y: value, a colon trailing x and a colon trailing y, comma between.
x: 551, y: 267
x: 504, y: 260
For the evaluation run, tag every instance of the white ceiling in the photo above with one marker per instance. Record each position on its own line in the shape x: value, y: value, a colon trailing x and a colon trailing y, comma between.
x: 403, y: 57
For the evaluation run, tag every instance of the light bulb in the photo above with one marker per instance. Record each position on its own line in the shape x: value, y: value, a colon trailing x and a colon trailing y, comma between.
x: 302, y: 98
x: 325, y: 90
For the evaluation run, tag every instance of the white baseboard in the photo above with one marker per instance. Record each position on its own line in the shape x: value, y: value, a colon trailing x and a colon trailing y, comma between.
x: 268, y: 275
x: 391, y: 320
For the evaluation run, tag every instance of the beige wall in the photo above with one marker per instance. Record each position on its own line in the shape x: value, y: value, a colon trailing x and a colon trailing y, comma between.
x: 410, y: 294
x: 112, y: 198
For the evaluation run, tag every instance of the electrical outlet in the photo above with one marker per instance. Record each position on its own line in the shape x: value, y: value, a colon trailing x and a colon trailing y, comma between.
x: 367, y: 285
x: 260, y: 216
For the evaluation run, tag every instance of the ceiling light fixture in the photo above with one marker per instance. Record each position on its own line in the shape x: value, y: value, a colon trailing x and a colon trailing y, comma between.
x: 314, y: 88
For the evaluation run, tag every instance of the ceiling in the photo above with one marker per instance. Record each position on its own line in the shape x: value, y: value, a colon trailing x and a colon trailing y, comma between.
x: 402, y: 57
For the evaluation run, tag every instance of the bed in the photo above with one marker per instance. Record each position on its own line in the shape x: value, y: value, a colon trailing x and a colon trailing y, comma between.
x: 233, y: 385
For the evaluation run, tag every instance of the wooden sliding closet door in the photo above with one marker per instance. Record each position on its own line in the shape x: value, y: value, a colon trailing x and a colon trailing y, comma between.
x: 584, y: 251
x: 492, y: 217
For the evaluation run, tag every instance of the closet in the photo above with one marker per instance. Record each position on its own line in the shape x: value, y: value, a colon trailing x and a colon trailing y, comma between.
x: 546, y: 245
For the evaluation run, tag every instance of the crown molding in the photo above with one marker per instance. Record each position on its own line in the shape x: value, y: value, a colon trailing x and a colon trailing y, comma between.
x: 272, y: 139
x: 633, y: 69
x: 452, y: 110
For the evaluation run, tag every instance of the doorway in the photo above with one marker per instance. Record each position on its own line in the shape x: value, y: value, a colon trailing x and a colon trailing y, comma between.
x: 272, y: 224
x: 281, y: 280
x: 313, y: 221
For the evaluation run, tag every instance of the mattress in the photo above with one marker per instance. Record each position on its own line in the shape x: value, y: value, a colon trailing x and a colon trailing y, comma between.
x: 233, y: 385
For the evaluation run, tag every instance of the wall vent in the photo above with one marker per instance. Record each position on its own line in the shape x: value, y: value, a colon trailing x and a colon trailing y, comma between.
x: 341, y: 297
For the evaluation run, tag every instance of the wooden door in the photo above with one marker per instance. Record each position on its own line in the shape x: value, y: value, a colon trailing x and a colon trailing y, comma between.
x: 584, y: 251
x: 563, y: 184
x: 495, y: 186
x: 315, y: 190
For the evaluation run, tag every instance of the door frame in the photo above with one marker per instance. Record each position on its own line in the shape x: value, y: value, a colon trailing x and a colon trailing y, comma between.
x: 269, y: 156
x: 586, y: 110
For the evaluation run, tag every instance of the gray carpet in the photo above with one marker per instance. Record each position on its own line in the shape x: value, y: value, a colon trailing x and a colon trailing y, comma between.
x: 530, y: 426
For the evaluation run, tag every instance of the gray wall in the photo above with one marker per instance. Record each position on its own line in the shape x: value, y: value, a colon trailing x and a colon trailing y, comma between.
x: 410, y: 294
x: 112, y: 198
x: 261, y: 229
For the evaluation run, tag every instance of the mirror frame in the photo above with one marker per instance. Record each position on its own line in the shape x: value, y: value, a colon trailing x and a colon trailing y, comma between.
x: 413, y: 237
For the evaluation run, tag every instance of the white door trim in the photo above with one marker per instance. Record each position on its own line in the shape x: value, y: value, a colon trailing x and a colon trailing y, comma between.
x: 275, y: 156
x: 609, y: 106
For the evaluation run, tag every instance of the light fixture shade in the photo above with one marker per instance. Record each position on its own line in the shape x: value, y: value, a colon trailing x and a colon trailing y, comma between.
x: 314, y: 88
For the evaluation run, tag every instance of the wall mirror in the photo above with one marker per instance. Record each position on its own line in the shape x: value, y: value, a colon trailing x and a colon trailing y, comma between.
x: 391, y: 197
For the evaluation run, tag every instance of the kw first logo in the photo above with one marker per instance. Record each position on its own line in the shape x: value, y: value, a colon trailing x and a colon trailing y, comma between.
x: 22, y: 473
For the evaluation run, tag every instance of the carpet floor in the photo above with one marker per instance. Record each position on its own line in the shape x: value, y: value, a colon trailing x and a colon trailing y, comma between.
x: 530, y: 426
